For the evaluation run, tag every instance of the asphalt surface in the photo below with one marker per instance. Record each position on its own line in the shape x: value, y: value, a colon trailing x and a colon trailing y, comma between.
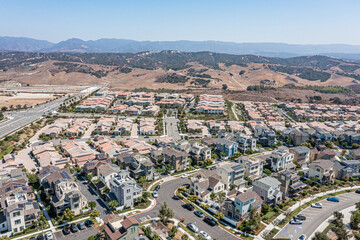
x: 315, y: 216
x: 92, y: 197
x: 166, y: 193
x: 171, y: 127
x: 80, y: 235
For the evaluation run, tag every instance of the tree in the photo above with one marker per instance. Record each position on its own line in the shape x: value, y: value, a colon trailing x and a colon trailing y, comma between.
x: 160, y: 170
x: 33, y: 178
x: 265, y: 208
x: 355, y: 220
x: 224, y: 87
x: 94, y: 214
x: 338, y: 215
x: 357, y: 205
x: 142, y: 180
x: 68, y: 215
x: 93, y: 237
x: 184, y: 237
x: 219, y: 215
x: 146, y: 195
x: 192, y: 198
x: 221, y: 197
x: 232, y: 186
x: 165, y: 213
x: 173, y: 231
x: 92, y: 205
x: 113, y: 204
x: 212, y: 196
x: 222, y: 154
x: 267, y: 171
x: 4, y: 109
x: 320, y: 236
x: 89, y: 177
x: 148, y: 231
x: 155, y: 237
x: 168, y: 167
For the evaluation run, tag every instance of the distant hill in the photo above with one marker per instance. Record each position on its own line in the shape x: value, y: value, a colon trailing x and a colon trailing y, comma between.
x: 107, y: 45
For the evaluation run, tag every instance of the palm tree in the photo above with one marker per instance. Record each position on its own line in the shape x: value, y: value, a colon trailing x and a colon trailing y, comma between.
x: 221, y: 197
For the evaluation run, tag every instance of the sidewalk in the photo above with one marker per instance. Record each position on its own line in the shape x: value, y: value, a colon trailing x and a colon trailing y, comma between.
x: 270, y: 226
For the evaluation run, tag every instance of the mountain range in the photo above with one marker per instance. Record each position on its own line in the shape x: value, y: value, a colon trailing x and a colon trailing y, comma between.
x: 111, y: 45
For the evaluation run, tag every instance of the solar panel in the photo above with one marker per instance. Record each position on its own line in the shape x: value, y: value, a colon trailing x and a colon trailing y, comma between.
x: 238, y: 167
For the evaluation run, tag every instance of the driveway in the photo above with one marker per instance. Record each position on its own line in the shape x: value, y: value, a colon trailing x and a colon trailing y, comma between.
x: 91, y: 196
x: 23, y: 156
x: 134, y: 131
x: 81, y: 234
x: 315, y: 217
x: 165, y: 195
x: 171, y: 127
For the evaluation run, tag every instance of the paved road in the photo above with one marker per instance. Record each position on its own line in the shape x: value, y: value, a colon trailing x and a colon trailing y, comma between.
x: 80, y: 235
x: 171, y: 127
x: 166, y: 194
x: 315, y: 217
x: 92, y: 197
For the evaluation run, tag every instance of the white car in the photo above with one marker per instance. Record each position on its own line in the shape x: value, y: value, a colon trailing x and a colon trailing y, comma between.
x: 49, y: 236
x: 155, y: 194
x: 184, y: 175
x: 193, y: 227
x: 205, y: 235
x: 316, y: 205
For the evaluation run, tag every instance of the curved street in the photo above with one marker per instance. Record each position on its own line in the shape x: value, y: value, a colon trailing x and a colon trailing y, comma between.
x: 315, y: 217
x: 166, y: 193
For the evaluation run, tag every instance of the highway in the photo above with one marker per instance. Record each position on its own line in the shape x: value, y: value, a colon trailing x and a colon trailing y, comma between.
x: 20, y: 119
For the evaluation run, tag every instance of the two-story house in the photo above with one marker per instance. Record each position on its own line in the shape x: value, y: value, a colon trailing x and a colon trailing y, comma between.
x: 268, y: 189
x: 204, y: 183
x: 323, y: 170
x: 245, y: 142
x: 347, y: 169
x: 232, y: 173
x: 301, y: 155
x: 254, y: 167
x: 238, y: 208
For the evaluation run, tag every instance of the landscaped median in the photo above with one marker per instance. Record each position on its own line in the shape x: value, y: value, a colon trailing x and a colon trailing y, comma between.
x: 305, y: 205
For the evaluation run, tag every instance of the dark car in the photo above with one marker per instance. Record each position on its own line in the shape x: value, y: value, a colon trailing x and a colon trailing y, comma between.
x: 189, y: 207
x: 81, y: 226
x: 357, y: 191
x: 40, y: 237
x: 212, y: 168
x: 74, y: 228
x: 199, y: 213
x: 176, y: 197
x: 300, y: 217
x: 210, y: 221
x: 32, y: 238
x: 66, y: 230
x: 89, y: 223
x: 157, y: 188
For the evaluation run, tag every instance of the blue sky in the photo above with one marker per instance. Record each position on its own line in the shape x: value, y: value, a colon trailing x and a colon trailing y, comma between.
x: 287, y: 21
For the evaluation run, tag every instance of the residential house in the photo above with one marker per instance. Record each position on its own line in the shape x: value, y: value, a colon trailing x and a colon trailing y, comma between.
x: 79, y: 152
x: 355, y: 154
x: 117, y: 228
x: 138, y: 165
x: 268, y: 189
x: 106, y: 172
x: 125, y: 189
x: 323, y: 170
x: 232, y: 173
x: 347, y: 169
x: 298, y: 137
x: 245, y: 142
x: 199, y: 152
x: 203, y: 185
x: 254, y: 167
x: 301, y: 155
x: 227, y: 147
x: 281, y: 159
x: 239, y: 207
x: 179, y: 160
x: 291, y: 185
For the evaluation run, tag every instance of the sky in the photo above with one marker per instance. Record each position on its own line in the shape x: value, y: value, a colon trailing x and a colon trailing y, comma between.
x: 285, y: 21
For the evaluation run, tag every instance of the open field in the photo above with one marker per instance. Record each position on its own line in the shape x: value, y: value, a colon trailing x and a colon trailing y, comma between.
x: 24, y: 98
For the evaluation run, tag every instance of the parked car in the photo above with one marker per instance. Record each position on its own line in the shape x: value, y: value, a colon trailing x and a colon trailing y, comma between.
x: 66, y: 230
x: 205, y: 235
x: 198, y: 213
x: 213, y: 168
x: 32, y: 238
x: 316, y: 205
x: 176, y: 197
x: 189, y: 207
x: 300, y: 217
x: 40, y: 237
x: 71, y: 138
x: 146, y: 137
x: 81, y: 226
x: 74, y: 228
x: 333, y: 199
x: 193, y: 227
x: 155, y: 194
x: 357, y: 191
x: 49, y: 236
x: 184, y: 175
x: 302, y: 237
x: 157, y: 188
x: 89, y: 223
x: 296, y: 222
x: 210, y: 221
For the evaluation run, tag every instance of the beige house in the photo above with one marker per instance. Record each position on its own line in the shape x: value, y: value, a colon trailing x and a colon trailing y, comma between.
x: 205, y: 183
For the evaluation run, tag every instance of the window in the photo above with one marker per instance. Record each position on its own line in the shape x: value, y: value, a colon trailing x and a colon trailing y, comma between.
x: 17, y: 222
x: 16, y: 214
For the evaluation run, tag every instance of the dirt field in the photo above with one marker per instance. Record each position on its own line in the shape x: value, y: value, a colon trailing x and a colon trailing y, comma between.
x: 24, y: 98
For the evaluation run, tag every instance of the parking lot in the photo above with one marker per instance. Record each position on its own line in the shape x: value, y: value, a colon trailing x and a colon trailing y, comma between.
x: 80, y: 235
x: 316, y: 216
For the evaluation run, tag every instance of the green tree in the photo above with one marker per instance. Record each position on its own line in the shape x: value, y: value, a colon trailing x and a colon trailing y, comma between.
x: 355, y: 220
x: 221, y: 197
x: 212, y: 196
x: 265, y: 208
x: 89, y: 177
x: 155, y: 237
x: 92, y: 205
x: 142, y: 180
x: 219, y: 215
x: 33, y: 178
x: 113, y: 204
x: 94, y: 214
x: 267, y: 171
x: 320, y: 236
x: 173, y: 231
x: 68, y: 215
x: 357, y: 205
x: 184, y: 237
x: 168, y: 167
x: 165, y: 213
x: 146, y: 195
x: 148, y: 231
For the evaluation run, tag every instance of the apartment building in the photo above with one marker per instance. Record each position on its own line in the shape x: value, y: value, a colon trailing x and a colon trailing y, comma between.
x: 178, y: 159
